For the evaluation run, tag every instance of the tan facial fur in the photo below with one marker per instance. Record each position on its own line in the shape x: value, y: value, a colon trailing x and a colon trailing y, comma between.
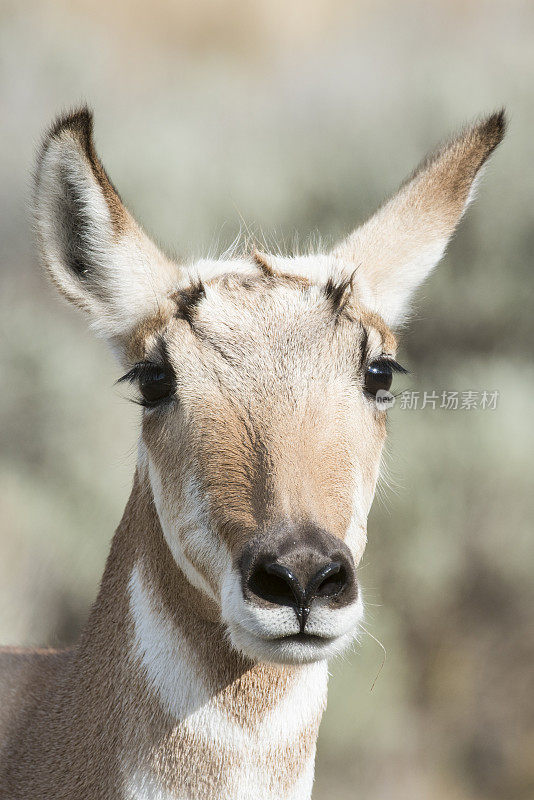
x: 192, y: 680
x: 270, y: 425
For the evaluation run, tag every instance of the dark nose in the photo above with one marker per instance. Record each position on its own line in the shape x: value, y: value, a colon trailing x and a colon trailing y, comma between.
x: 296, y: 570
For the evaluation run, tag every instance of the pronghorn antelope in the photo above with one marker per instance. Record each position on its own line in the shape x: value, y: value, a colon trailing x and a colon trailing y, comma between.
x: 202, y: 671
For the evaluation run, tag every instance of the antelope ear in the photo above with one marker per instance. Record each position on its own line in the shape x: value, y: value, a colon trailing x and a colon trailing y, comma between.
x: 397, y: 248
x: 93, y: 250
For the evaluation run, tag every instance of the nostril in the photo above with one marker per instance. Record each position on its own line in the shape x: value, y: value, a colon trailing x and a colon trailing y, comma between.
x: 330, y: 581
x: 334, y: 584
x: 275, y: 583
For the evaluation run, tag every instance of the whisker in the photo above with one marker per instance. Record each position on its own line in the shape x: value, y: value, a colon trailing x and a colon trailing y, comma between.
x: 379, y: 643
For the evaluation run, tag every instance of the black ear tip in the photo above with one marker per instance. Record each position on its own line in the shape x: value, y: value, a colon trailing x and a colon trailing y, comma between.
x: 494, y: 127
x: 79, y: 121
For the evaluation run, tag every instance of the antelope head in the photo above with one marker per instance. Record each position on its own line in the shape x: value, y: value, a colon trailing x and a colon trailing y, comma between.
x: 261, y: 434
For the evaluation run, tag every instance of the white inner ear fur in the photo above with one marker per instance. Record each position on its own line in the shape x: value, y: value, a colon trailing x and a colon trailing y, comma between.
x: 400, y: 245
x: 130, y: 277
x: 391, y: 297
x: 61, y: 158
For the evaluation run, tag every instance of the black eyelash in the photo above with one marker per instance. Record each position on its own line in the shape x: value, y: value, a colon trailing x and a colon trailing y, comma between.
x: 144, y: 371
x: 393, y: 365
x: 149, y: 370
x: 152, y: 404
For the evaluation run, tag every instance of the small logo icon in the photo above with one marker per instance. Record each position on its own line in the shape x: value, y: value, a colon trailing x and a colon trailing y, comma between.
x: 384, y: 399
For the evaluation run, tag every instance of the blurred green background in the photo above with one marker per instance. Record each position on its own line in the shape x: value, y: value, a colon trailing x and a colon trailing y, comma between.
x: 299, y: 117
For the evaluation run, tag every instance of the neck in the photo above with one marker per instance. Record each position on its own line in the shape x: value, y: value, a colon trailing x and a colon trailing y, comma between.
x: 201, y: 720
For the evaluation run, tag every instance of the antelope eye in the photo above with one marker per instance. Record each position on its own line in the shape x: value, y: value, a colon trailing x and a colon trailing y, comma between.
x: 378, y: 375
x: 156, y: 384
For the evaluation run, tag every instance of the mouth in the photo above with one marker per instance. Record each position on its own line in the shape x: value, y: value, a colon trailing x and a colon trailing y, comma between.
x: 290, y: 648
x: 275, y: 635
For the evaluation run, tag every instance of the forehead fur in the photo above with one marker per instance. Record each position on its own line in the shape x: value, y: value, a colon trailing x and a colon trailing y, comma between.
x: 250, y: 299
